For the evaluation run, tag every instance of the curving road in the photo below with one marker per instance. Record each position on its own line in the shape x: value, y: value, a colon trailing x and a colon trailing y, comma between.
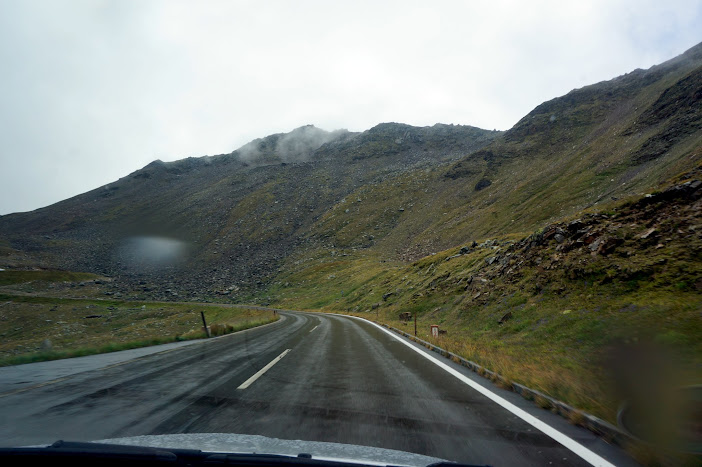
x: 327, y: 378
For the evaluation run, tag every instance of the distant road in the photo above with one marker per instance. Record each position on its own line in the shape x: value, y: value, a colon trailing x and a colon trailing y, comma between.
x: 309, y: 376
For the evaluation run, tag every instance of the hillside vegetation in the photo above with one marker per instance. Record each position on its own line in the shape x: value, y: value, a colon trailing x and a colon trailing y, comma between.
x: 548, y: 309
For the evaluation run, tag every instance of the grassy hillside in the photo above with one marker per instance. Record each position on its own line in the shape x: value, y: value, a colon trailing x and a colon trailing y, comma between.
x: 549, y: 310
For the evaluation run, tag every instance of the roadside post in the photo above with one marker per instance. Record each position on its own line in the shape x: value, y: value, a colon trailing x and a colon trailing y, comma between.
x: 204, y: 323
x: 434, y: 331
x: 415, y: 323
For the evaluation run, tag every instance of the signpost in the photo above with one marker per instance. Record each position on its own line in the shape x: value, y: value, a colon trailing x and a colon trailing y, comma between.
x: 204, y: 323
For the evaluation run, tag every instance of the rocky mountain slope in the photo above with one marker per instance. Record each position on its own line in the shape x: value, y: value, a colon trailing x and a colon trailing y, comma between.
x: 233, y: 224
x: 233, y: 217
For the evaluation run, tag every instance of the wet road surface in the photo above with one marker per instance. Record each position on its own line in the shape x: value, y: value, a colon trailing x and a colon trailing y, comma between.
x: 327, y: 378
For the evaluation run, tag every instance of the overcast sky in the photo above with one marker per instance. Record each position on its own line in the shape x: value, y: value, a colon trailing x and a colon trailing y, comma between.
x: 92, y: 90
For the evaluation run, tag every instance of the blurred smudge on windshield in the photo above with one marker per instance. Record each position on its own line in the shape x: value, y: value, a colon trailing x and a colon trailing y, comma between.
x: 148, y: 253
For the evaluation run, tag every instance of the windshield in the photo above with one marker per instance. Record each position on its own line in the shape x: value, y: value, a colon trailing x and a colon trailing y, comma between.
x: 394, y: 232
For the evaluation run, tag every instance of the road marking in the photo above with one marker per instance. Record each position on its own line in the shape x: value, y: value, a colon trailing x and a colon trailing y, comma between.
x: 314, y: 328
x: 566, y: 441
x: 260, y: 372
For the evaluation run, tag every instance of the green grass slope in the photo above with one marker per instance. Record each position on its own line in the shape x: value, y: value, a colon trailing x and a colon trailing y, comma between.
x: 551, y: 309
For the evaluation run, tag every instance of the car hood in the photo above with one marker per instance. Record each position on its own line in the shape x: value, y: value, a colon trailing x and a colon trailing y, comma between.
x: 256, y: 444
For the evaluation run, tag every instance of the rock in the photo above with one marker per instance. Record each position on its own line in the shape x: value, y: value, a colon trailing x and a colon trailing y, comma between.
x: 560, y: 238
x: 473, y: 244
x: 549, y: 232
x: 595, y: 244
x: 590, y: 237
x: 604, y: 245
x: 464, y: 250
x: 609, y: 245
x: 453, y: 256
x: 46, y: 345
x: 405, y: 316
x: 490, y: 260
x: 387, y: 295
x: 505, y: 317
x: 648, y: 233
x: 483, y: 183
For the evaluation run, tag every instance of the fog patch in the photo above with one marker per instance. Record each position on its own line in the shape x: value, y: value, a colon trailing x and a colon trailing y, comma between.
x: 150, y: 253
x: 249, y: 152
x: 297, y: 146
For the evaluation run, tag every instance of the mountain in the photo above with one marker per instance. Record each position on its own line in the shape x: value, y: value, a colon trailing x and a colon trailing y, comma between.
x: 237, y: 215
x: 236, y: 223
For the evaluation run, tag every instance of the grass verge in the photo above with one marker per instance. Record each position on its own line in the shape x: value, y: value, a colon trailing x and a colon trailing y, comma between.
x: 43, y: 328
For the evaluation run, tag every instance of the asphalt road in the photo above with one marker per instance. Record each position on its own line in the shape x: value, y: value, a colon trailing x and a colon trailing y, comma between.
x: 339, y: 380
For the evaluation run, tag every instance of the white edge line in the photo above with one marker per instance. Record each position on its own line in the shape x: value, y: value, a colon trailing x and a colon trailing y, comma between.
x: 566, y: 441
x: 314, y: 328
x: 260, y: 372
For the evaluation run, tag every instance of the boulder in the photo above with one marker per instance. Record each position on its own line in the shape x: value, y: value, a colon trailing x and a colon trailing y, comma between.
x: 604, y: 245
x: 575, y: 226
x: 482, y: 183
x: 505, y: 317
